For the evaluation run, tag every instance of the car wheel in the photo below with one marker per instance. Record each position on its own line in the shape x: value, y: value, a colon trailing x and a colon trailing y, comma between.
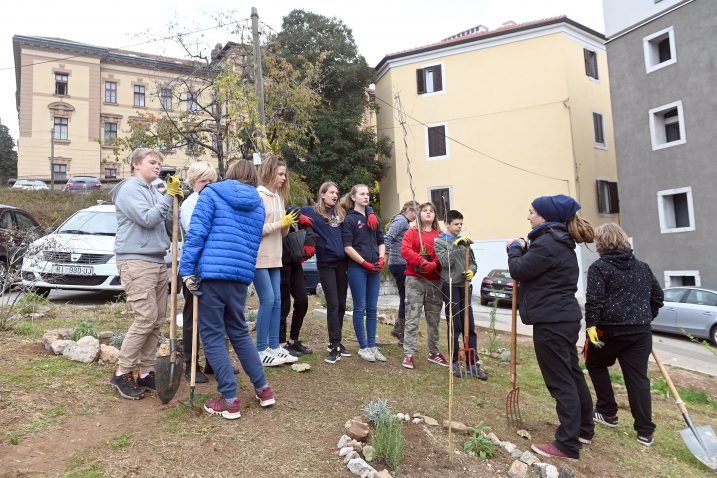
x: 713, y: 335
x: 3, y: 275
x: 42, y: 291
x: 483, y: 302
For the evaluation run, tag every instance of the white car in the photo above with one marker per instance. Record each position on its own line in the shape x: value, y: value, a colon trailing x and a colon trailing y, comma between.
x: 78, y: 255
x: 29, y: 184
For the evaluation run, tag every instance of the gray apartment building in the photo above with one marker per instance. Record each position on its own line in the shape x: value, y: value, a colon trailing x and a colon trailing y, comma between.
x: 662, y: 56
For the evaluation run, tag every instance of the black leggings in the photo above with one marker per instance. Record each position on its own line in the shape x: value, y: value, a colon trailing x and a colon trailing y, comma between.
x: 292, y: 285
x: 335, y: 283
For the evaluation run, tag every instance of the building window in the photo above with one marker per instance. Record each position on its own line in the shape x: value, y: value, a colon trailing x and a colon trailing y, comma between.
x: 591, y: 66
x: 441, y: 198
x: 676, y: 211
x: 110, y: 92
x: 59, y: 172
x: 110, y: 173
x: 60, y: 128
x: 598, y: 130
x: 110, y: 132
x: 667, y: 125
x: 192, y: 105
x: 61, y: 80
x: 436, y: 144
x: 608, y: 200
x: 165, y: 98
x: 193, y: 146
x: 138, y: 95
x: 659, y: 49
x: 682, y: 279
x: 429, y: 79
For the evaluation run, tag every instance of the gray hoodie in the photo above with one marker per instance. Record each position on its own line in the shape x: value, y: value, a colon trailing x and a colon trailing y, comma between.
x: 143, y: 218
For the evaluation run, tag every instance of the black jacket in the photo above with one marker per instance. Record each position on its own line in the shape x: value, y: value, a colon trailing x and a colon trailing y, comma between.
x: 548, y: 275
x: 622, y: 291
x: 311, y: 239
x: 363, y: 239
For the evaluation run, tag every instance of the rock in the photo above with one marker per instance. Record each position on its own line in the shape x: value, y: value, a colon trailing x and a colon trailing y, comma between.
x: 344, y: 441
x: 351, y: 455
x: 517, y: 453
x: 456, y: 426
x: 417, y: 420
x: 252, y: 326
x: 518, y: 470
x: 55, y: 334
x: 528, y: 458
x: 493, y: 438
x: 406, y: 417
x: 345, y: 450
x: 300, y: 367
x: 357, y: 430
x: 400, y: 416
x: 505, y: 356
x: 105, y: 336
x: 86, y: 350
x: 383, y: 474
x: 356, y: 445
x: 546, y: 470
x: 551, y: 471
x: 108, y: 353
x: 387, y: 319
x: 507, y: 446
x: 358, y: 465
x: 368, y: 453
x: 431, y: 422
x: 524, y: 434
x: 59, y: 346
x: 566, y: 472
x: 163, y: 350
x: 417, y: 415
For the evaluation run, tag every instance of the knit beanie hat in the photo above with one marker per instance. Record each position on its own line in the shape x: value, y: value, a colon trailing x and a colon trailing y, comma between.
x: 560, y: 208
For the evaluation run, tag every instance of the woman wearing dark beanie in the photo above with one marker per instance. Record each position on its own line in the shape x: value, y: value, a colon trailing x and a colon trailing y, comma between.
x: 547, y: 269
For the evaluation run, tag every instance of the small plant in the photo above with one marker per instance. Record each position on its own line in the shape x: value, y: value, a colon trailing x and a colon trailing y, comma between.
x: 83, y: 329
x: 492, y: 343
x: 388, y: 441
x: 117, y: 339
x: 121, y: 441
x: 481, y: 428
x: 660, y: 386
x: 377, y: 411
x: 479, y: 445
x: 30, y: 302
x: 250, y: 316
x: 616, y: 377
x: 704, y: 343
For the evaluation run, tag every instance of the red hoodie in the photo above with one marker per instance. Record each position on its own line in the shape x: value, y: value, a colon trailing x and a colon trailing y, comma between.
x: 411, y: 248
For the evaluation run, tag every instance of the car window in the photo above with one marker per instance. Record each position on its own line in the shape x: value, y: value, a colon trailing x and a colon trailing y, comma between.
x: 674, y: 295
x: 701, y: 297
x: 90, y: 222
x: 6, y: 220
x: 500, y: 273
x: 25, y: 222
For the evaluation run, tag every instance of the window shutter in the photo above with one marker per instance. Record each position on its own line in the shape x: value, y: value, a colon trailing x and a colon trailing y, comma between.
x: 436, y: 141
x: 437, y: 78
x: 420, y: 81
x: 586, y: 56
x: 614, y: 199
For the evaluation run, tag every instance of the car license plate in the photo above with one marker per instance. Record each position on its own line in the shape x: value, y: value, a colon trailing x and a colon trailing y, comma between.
x: 73, y: 270
x: 500, y: 294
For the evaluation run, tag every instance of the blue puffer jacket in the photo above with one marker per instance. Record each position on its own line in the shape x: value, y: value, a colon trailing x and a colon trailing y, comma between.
x: 224, y: 233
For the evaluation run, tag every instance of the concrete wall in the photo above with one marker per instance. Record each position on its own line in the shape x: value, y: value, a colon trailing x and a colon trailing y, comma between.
x: 622, y: 14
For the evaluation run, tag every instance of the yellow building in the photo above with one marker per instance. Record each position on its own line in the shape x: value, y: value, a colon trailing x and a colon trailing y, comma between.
x: 87, y: 95
x: 495, y: 118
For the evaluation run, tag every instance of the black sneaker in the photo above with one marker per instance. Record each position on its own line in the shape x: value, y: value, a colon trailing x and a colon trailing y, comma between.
x: 126, y: 386
x: 333, y: 356
x: 477, y: 372
x: 293, y: 349
x: 344, y: 351
x: 147, y: 382
x: 303, y: 348
x: 611, y: 422
x: 646, y: 440
x: 199, y: 377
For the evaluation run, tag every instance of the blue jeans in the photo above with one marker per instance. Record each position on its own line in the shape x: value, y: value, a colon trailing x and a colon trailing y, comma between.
x: 365, y: 286
x: 221, y: 309
x: 267, y: 283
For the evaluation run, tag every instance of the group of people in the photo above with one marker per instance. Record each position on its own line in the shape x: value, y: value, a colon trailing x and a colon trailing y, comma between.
x: 239, y: 231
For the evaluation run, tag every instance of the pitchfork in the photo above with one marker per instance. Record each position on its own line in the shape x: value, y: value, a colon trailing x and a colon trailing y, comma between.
x: 467, y: 356
x: 512, y: 403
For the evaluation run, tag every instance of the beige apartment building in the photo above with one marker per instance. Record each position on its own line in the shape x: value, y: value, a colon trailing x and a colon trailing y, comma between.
x: 495, y: 118
x: 87, y: 95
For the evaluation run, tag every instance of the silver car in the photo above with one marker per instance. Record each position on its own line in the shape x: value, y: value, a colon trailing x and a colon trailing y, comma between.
x: 691, y: 310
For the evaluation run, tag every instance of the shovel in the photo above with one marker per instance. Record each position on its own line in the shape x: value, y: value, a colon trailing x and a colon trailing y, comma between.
x: 468, y: 354
x: 193, y: 372
x: 701, y: 441
x: 512, y: 403
x: 168, y: 371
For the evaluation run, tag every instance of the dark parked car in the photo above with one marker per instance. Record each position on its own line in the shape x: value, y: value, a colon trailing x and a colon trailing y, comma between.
x: 82, y: 184
x: 311, y: 274
x: 496, y: 285
x: 17, y: 230
x: 691, y: 310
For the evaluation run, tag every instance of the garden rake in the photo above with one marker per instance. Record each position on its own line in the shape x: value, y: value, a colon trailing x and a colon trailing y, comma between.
x: 468, y: 357
x: 512, y: 403
x: 193, y: 374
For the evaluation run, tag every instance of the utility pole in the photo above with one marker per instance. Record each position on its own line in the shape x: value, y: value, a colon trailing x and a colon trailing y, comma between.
x: 52, y: 159
x: 258, y: 76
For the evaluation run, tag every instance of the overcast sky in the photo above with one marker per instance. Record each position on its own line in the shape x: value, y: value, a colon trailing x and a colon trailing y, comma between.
x: 379, y: 27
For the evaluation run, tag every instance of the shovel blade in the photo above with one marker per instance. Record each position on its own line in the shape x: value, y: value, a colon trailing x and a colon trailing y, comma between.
x: 702, y: 442
x: 168, y: 375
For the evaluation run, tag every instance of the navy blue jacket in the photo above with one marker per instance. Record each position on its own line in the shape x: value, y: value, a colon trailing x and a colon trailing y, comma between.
x: 330, y: 246
x: 362, y: 238
x: 224, y: 233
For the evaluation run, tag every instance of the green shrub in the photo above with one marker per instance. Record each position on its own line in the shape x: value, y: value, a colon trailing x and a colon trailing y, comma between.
x: 377, y: 411
x: 479, y: 445
x: 250, y: 316
x: 29, y: 302
x: 387, y: 439
x: 83, y: 329
x: 616, y: 377
x: 117, y: 339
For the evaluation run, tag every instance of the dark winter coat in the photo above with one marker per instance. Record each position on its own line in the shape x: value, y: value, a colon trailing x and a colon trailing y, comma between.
x: 548, y: 275
x: 310, y: 240
x: 330, y: 244
x: 362, y: 238
x: 622, y: 292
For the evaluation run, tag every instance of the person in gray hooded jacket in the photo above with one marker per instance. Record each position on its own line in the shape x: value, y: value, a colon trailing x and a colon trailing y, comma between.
x: 142, y: 240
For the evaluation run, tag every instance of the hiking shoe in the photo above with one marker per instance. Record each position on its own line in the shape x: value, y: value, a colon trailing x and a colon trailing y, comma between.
x: 199, y: 377
x: 282, y: 353
x: 611, y: 422
x: 378, y: 355
x: 477, y: 372
x: 265, y: 396
x: 407, y: 361
x: 333, y: 356
x: 268, y: 359
x: 585, y: 441
x: 224, y: 409
x: 550, y: 450
x: 126, y: 386
x: 367, y: 354
x: 438, y: 359
x: 344, y: 351
x: 646, y: 440
x: 147, y: 382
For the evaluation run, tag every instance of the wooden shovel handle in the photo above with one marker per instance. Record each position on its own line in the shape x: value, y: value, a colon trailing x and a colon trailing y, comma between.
x: 466, y: 301
x: 673, y: 389
x: 195, y: 332
x: 173, y: 277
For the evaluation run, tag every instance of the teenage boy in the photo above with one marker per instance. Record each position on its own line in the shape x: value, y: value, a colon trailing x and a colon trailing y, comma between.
x: 220, y: 254
x: 143, y: 218
x: 451, y: 252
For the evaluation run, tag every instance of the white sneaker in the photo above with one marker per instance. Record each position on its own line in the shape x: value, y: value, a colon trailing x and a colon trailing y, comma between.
x: 268, y: 359
x: 367, y: 354
x: 284, y: 354
x: 377, y: 354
